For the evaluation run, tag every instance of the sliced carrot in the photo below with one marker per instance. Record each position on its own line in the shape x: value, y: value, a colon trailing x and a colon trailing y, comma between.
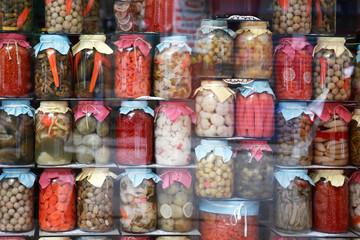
x: 95, y: 73
x: 186, y: 62
x: 88, y: 7
x: 51, y: 56
x: 284, y: 4
x: 106, y: 62
x: 355, y: 221
x: 258, y: 132
x: 123, y: 214
x: 60, y: 206
x: 55, y: 215
x: 22, y: 17
x: 68, y: 6
x: 269, y: 117
x: 52, y: 201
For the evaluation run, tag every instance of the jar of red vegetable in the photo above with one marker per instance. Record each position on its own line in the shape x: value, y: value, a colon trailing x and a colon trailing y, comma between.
x: 235, y: 220
x: 132, y: 67
x: 293, y: 69
x: 134, y: 133
x: 57, y: 197
x: 330, y: 201
x: 15, y: 65
x: 255, y: 110
x: 159, y: 16
x: 92, y: 68
x: 354, y: 200
x: 331, y: 143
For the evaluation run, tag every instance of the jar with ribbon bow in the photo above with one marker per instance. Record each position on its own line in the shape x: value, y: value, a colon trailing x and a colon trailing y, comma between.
x: 95, y: 194
x: 214, y: 50
x: 354, y: 201
x: 138, y: 213
x: 333, y: 70
x: 172, y: 73
x: 293, y: 69
x: 293, y: 201
x: 292, y: 16
x: 253, y: 50
x: 324, y: 17
x: 15, y: 65
x: 331, y: 143
x: 57, y: 197
x: 173, y: 133
x: 92, y: 132
x: 254, y: 164
x: 16, y: 15
x: 17, y: 137
x: 214, y: 105
x: 64, y: 16
x: 294, y: 134
x: 235, y: 220
x: 53, y: 133
x: 92, y: 68
x: 255, y: 108
x: 330, y: 200
x: 17, y: 199
x: 175, y: 196
x: 130, y: 15
x: 132, y: 67
x: 214, y: 173
x: 91, y: 16
x: 134, y: 133
x: 355, y: 78
x: 53, y: 67
x: 354, y: 135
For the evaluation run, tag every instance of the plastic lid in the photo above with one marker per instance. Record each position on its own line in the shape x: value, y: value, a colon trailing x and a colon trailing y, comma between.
x: 139, y: 104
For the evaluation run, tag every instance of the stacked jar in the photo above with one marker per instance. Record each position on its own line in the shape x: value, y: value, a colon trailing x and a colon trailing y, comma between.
x: 354, y: 139
x: 355, y: 79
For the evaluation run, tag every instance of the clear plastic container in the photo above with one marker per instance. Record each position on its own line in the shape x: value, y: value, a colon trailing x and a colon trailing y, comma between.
x: 214, y: 50
x: 172, y: 72
x: 92, y: 132
x: 332, y: 71
x: 91, y: 16
x: 324, y: 17
x: 62, y: 17
x: 15, y: 66
x: 215, y: 111
x: 17, y: 15
x: 292, y: 17
x: 53, y: 133
x: 130, y: 15
x: 175, y: 196
x: 253, y: 50
x: 354, y: 201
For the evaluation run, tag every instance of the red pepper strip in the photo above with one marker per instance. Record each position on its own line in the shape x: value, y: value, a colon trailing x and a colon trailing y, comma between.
x: 49, y: 1
x: 76, y: 63
x: 186, y: 62
x: 355, y: 221
x: 123, y: 213
x: 346, y: 82
x: 106, y: 62
x: 68, y: 6
x: 51, y: 56
x: 88, y: 7
x: 284, y: 4
x: 332, y: 135
x: 318, y: 11
x: 323, y: 65
x: 46, y: 121
x: 95, y: 73
x: 22, y: 18
x: 308, y: 7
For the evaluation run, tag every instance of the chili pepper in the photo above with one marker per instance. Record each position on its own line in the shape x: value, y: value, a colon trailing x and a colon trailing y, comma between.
x: 123, y: 214
x: 95, y: 73
x: 318, y: 12
x: 284, y: 4
x: 46, y: 121
x: 76, y: 63
x: 269, y: 117
x: 308, y: 7
x: 68, y: 6
x: 52, y: 60
x: 323, y: 64
x: 22, y: 17
x: 249, y: 117
x: 186, y: 61
x: 88, y: 7
x: 257, y: 116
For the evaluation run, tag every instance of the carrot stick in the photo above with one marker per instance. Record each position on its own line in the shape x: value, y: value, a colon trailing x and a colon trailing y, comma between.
x: 249, y: 116
x: 22, y: 17
x: 68, y: 6
x: 52, y: 60
x: 106, y: 62
x: 186, y: 62
x: 263, y: 109
x: 318, y: 12
x: 269, y: 118
x: 240, y: 116
x: 95, y: 73
x: 76, y: 63
x: 88, y: 7
x: 258, y: 132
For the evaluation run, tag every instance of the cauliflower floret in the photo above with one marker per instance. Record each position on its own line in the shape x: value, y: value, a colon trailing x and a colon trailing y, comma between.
x: 197, y: 107
x: 217, y: 120
x: 229, y: 120
x: 205, y: 124
x: 210, y: 132
x: 222, y: 108
x: 209, y: 103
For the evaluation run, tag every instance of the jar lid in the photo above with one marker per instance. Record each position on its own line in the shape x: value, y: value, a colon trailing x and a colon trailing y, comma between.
x: 285, y: 176
x: 24, y: 175
x: 137, y: 175
x: 213, y: 83
x: 51, y: 104
x: 291, y: 110
x: 340, y: 40
x: 128, y: 106
x: 95, y: 176
x: 250, y: 208
x: 218, y: 147
x: 179, y: 41
x: 60, y: 43
x: 336, y: 177
x: 139, y: 104
x: 17, y: 107
x: 254, y: 24
x: 213, y: 23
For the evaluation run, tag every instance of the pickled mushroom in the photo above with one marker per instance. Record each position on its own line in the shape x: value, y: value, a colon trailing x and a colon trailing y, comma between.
x: 86, y: 125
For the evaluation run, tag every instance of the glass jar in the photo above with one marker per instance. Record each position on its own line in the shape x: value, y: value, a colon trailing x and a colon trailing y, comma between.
x: 173, y: 133
x: 214, y: 50
x: 132, y: 67
x: 354, y: 135
x: 355, y: 79
x: 292, y: 17
x: 293, y: 201
x: 63, y: 16
x: 293, y: 69
x: 53, y: 133
x: 159, y: 16
x: 57, y: 197
x: 255, y: 104
x: 17, y: 132
x: 92, y: 68
x: 172, y: 72
x: 214, y: 173
x: 214, y: 104
x: 175, y: 195
x: 134, y: 133
x: 93, y: 238
x: 330, y: 196
x: 91, y: 16
x: 52, y: 71
x: 138, y: 200
x: 135, y: 238
x: 130, y: 15
x: 235, y: 220
x: 331, y: 143
x: 253, y: 50
x: 324, y: 21
x: 17, y: 200
x: 332, y: 71
x: 17, y: 15
x: 54, y: 238
x: 254, y: 164
x: 293, y: 134
x: 15, y: 65
x: 91, y: 136
x: 95, y: 191
x: 354, y: 201
x: 172, y: 238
